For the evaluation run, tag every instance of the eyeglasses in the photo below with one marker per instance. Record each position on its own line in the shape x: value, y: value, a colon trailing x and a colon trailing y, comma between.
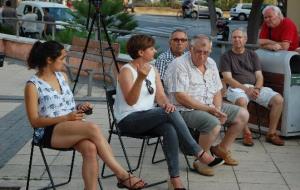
x: 149, y: 87
x: 179, y: 40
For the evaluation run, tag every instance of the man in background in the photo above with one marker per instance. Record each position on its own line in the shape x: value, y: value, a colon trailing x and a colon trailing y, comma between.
x: 277, y: 32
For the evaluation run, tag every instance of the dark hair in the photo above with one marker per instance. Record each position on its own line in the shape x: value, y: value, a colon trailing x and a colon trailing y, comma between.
x: 41, y: 51
x: 46, y: 9
x: 137, y: 43
x: 8, y: 3
x: 29, y: 8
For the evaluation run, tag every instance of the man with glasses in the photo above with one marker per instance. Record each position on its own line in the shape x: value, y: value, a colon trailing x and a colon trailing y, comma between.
x: 241, y: 70
x: 178, y: 43
x: 194, y: 87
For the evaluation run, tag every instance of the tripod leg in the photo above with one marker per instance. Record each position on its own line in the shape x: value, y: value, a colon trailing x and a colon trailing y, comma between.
x: 108, y: 41
x: 84, y: 52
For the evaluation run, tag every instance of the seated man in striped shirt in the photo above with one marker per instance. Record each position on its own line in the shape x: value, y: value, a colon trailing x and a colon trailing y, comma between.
x: 178, y: 43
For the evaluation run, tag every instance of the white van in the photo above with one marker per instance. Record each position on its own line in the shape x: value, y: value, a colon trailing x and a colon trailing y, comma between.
x: 61, y: 13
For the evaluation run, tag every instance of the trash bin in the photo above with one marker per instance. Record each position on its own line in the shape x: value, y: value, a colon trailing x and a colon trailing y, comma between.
x: 287, y: 65
x: 2, y: 56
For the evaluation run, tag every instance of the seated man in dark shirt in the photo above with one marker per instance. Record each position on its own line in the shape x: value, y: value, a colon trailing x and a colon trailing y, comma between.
x: 242, y: 72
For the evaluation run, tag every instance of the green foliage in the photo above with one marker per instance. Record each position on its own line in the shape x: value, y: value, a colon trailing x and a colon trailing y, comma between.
x: 66, y: 36
x: 5, y: 29
x: 112, y: 10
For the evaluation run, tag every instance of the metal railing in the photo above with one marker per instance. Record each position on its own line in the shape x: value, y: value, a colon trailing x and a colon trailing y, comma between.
x: 18, y: 22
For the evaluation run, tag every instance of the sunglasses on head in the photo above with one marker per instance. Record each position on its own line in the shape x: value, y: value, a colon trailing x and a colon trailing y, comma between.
x: 149, y: 87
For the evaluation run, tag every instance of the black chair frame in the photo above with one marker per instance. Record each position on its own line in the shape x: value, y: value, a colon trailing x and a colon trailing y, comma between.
x: 52, y: 186
x: 115, y: 130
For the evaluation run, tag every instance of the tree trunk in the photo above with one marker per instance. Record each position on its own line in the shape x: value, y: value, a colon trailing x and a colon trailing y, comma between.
x: 254, y: 21
x: 213, y: 17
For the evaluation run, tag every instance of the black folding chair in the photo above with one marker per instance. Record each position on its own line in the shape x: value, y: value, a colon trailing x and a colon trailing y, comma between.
x: 110, y: 93
x: 52, y: 185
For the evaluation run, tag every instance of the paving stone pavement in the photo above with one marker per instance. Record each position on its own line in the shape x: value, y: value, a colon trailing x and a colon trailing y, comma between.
x: 261, y: 167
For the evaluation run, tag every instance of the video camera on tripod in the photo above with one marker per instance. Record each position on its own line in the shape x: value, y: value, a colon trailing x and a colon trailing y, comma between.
x: 97, y: 3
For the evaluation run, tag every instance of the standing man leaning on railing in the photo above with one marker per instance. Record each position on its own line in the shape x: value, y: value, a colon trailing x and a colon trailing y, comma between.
x: 30, y: 28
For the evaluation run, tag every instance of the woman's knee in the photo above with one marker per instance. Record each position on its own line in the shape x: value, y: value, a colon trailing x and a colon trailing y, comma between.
x: 93, y: 129
x: 87, y: 148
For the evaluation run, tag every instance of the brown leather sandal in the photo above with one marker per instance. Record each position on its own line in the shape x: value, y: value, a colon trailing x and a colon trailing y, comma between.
x: 121, y: 183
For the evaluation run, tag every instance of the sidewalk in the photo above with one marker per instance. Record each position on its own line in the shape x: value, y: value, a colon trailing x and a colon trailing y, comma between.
x: 261, y: 167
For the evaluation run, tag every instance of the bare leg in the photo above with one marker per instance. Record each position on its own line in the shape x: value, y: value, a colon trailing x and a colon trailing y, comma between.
x: 276, y: 105
x: 243, y: 103
x: 235, y: 129
x: 67, y: 134
x: 206, y: 140
x: 90, y: 165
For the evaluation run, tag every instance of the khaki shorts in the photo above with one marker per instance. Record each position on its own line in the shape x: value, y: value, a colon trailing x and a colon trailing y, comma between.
x: 264, y: 98
x: 204, y: 122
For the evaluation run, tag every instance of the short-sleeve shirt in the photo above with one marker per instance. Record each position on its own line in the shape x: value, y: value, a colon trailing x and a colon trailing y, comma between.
x: 285, y: 31
x: 183, y: 76
x: 242, y: 66
x: 50, y: 102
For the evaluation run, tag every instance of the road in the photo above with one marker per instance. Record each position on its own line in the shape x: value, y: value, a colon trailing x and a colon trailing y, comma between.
x: 161, y: 26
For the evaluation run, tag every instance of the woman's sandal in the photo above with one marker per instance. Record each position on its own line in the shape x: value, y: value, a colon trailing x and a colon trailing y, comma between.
x: 170, y: 186
x: 122, y: 183
x: 216, y: 162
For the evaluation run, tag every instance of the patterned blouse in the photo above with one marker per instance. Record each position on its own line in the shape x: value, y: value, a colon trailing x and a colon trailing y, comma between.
x: 50, y: 102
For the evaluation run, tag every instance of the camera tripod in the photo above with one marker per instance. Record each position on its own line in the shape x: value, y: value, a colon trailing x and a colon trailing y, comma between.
x: 99, y: 19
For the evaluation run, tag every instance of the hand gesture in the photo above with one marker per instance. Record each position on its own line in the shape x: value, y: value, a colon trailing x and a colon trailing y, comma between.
x: 252, y: 92
x: 75, y: 115
x: 169, y: 107
x: 143, y: 70
x: 219, y: 114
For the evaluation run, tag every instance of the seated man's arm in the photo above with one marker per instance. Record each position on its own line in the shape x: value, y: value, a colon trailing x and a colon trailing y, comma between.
x: 259, y: 80
x: 189, y: 102
x: 272, y: 45
x: 232, y: 82
x: 218, y: 100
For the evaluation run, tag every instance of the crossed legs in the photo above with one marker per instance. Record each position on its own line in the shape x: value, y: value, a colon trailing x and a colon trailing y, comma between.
x: 85, y: 137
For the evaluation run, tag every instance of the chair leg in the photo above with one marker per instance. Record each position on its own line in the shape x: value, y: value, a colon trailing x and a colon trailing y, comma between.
x: 30, y: 164
x: 188, y: 162
x: 155, y: 150
x: 104, y: 165
x: 126, y: 157
x: 48, y: 170
x: 258, y: 120
x: 53, y: 186
x: 100, y: 184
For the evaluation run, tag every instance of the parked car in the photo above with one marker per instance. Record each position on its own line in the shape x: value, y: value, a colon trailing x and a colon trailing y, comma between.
x: 202, y: 9
x: 241, y: 11
x: 61, y: 13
